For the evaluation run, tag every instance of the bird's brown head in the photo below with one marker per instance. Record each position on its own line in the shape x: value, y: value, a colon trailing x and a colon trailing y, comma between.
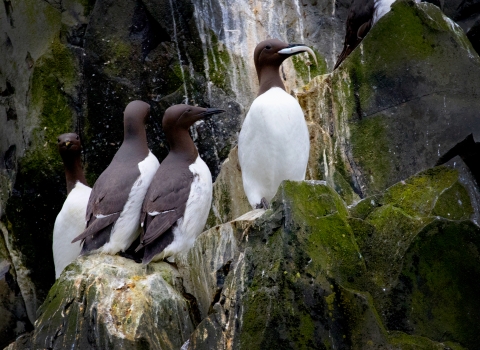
x: 184, y: 116
x: 69, y: 144
x: 179, y: 118
x: 135, y: 117
x: 273, y: 52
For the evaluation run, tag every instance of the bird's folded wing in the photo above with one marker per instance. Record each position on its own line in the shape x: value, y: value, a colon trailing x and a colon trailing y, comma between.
x: 165, y: 203
x: 97, y: 224
x: 110, y: 192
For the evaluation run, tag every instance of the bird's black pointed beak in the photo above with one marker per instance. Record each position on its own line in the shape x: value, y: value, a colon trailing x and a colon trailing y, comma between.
x: 294, y: 49
x: 209, y: 112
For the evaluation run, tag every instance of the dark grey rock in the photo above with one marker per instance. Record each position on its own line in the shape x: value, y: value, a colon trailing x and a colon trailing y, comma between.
x: 399, y: 102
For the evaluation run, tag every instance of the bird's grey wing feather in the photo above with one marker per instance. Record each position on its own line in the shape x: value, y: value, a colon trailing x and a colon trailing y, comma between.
x: 107, y: 199
x: 165, y: 201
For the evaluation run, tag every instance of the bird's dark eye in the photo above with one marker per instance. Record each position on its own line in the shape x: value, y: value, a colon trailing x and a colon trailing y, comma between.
x: 268, y: 47
x: 189, y: 110
x: 58, y: 140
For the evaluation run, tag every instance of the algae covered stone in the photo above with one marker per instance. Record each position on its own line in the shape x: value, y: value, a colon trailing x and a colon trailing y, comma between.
x: 421, y: 255
x: 296, y: 279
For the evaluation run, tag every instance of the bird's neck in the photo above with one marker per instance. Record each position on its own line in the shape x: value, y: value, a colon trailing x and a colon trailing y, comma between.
x: 269, y: 77
x: 134, y: 140
x: 182, y: 146
x: 73, y: 172
x: 134, y: 131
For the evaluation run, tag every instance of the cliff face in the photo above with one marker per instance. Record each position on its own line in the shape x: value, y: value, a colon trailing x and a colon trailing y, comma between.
x: 382, y: 254
x: 74, y: 65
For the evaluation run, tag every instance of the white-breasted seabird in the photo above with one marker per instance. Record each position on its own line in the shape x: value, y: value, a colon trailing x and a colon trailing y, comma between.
x: 113, y: 212
x: 362, y: 16
x: 274, y: 143
x: 178, y: 200
x: 70, y: 221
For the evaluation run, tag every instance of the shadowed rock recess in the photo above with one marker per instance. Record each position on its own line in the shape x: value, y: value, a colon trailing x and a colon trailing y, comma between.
x: 378, y: 249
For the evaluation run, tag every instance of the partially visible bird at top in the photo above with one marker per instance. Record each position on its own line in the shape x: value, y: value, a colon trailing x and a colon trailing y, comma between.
x: 274, y: 143
x: 113, y: 212
x: 178, y: 200
x: 70, y: 221
x: 362, y: 16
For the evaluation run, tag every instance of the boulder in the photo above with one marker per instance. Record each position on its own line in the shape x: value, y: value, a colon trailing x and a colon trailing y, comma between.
x: 397, y: 271
x: 109, y: 302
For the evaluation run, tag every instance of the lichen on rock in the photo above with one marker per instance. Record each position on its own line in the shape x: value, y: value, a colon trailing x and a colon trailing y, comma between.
x: 110, y: 302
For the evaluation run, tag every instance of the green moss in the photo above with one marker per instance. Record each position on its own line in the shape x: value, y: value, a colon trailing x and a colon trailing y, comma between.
x: 363, y: 208
x: 54, y: 74
x: 219, y: 64
x: 412, y: 342
x: 324, y: 234
x: 117, y: 54
x: 417, y: 195
x: 403, y: 25
x: 303, y: 194
x: 454, y: 203
x: 372, y: 151
x: 307, y: 72
x: 42, y: 11
x: 393, y: 234
x: 362, y: 231
x: 438, y: 289
x: 88, y: 6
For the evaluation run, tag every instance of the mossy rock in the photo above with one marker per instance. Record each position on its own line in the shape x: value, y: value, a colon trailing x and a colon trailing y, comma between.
x: 39, y: 189
x: 405, y: 96
x: 417, y: 245
x: 109, y: 302
x: 437, y: 291
x: 296, y: 281
x: 385, y: 225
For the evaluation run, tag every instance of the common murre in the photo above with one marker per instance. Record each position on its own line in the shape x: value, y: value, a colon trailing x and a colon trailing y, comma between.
x: 113, y: 212
x: 274, y: 143
x: 178, y: 200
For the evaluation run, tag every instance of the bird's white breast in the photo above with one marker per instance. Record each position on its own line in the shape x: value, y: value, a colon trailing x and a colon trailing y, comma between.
x: 273, y: 144
x: 127, y: 226
x: 188, y: 227
x: 70, y: 222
